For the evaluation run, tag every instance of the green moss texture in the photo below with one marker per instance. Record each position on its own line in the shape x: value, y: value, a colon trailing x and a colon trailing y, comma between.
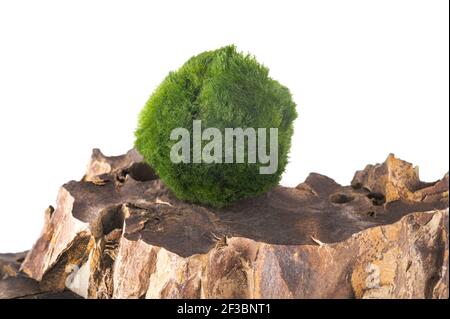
x: 223, y: 88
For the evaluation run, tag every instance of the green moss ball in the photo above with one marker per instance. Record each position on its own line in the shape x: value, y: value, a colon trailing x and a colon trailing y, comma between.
x: 223, y: 88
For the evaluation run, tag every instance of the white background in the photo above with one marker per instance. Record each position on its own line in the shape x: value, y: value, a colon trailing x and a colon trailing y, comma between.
x: 369, y: 78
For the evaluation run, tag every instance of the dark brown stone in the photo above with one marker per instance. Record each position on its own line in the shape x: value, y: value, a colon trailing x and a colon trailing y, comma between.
x: 120, y: 233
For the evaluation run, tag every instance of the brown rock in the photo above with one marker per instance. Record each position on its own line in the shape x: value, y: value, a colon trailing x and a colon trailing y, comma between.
x: 16, y: 285
x: 22, y: 287
x: 120, y: 233
x: 102, y: 169
x: 10, y: 264
x: 396, y: 179
x: 101, y: 164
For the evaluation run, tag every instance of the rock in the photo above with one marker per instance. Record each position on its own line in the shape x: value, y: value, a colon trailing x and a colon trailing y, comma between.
x: 16, y: 285
x: 22, y: 287
x: 101, y: 164
x: 117, y: 166
x: 10, y: 264
x: 396, y: 179
x: 120, y: 233
x: 66, y: 294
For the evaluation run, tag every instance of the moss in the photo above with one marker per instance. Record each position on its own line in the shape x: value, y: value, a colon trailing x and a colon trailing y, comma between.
x: 222, y: 88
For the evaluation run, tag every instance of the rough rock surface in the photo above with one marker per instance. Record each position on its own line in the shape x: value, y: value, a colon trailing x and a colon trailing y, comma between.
x: 16, y: 285
x: 120, y: 233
